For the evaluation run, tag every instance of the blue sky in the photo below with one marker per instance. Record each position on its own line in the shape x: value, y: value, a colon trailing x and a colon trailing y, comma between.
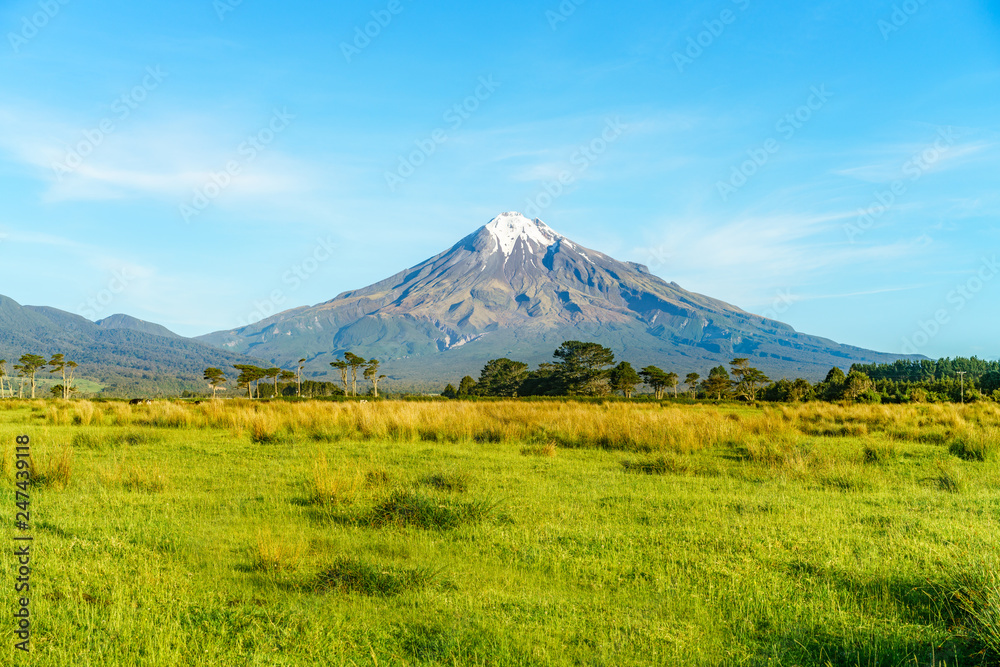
x: 200, y: 164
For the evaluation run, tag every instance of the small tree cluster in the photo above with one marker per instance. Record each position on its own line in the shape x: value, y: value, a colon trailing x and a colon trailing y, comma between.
x: 27, y: 369
x: 349, y: 367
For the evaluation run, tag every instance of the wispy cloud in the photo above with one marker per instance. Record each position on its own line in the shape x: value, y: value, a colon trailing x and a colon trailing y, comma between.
x: 748, y: 259
x: 164, y: 161
x: 900, y: 161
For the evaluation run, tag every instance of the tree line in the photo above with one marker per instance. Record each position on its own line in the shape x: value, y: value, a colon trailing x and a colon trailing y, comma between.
x: 589, y: 369
x: 28, y: 367
x: 250, y: 377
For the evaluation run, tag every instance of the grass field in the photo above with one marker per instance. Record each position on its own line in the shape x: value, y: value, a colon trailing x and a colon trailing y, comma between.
x: 506, y: 533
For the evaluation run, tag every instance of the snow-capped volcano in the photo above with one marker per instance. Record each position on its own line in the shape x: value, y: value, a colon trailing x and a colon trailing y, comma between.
x: 509, y: 228
x: 515, y: 288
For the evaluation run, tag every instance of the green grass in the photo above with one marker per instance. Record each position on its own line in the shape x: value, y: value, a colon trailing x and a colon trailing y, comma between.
x: 858, y: 543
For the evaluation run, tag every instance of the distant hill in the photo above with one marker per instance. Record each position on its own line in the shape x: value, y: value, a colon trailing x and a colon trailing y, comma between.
x: 130, y: 357
x: 515, y: 288
x: 127, y: 322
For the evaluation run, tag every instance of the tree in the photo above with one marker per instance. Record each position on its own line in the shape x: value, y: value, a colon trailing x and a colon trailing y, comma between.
x: 19, y: 369
x: 718, y: 383
x: 692, y: 382
x: 249, y: 377
x: 287, y: 376
x: 501, y: 377
x: 298, y: 376
x: 541, y: 382
x: 273, y: 374
x: 656, y: 379
x: 343, y: 369
x: 858, y: 387
x: 832, y: 388
x: 58, y: 364
x: 4, y: 380
x: 988, y: 383
x: 71, y: 367
x: 31, y: 364
x: 467, y: 387
x: 354, y: 362
x: 777, y: 392
x: 801, y: 390
x: 672, y: 380
x: 582, y: 369
x: 748, y: 379
x: 215, y: 378
x: 624, y: 379
x: 371, y: 374
x: 450, y: 391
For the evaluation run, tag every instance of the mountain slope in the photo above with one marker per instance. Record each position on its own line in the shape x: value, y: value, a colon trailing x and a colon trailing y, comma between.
x: 517, y: 288
x: 128, y: 359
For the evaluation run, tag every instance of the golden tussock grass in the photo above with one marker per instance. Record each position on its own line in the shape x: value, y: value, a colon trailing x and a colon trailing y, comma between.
x: 620, y: 426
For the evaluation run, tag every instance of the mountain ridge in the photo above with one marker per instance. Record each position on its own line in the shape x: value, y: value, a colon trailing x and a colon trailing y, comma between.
x: 120, y: 353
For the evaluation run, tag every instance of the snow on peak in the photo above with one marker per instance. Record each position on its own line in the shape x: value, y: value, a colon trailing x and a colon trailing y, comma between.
x: 507, y: 228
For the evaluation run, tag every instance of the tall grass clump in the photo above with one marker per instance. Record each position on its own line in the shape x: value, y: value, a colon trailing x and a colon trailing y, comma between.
x: 6, y: 458
x: 948, y: 477
x: 975, y: 445
x: 349, y: 575
x: 332, y: 487
x: 262, y: 429
x: 52, y: 470
x: 547, y: 450
x: 975, y: 597
x: 411, y: 508
x: 444, y: 481
x: 88, y: 440
x: 278, y: 553
x: 136, y: 478
x: 880, y: 451
x: 100, y: 439
x: 658, y: 465
x: 769, y: 450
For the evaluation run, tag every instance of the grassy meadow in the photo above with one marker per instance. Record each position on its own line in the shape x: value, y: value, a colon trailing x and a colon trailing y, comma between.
x: 507, y: 533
